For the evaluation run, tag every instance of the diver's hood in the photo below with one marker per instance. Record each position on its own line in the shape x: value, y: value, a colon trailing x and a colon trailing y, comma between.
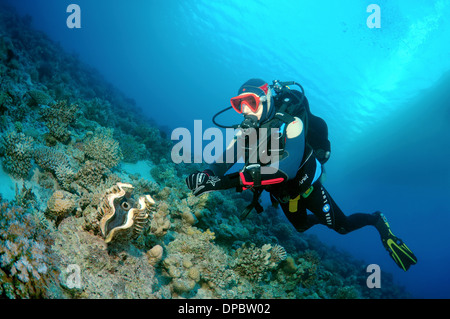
x: 260, y: 88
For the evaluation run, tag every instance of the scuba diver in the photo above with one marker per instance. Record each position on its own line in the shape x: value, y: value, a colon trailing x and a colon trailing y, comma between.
x: 293, y: 179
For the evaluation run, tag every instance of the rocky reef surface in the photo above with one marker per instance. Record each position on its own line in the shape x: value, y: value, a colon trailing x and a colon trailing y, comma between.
x: 91, y: 205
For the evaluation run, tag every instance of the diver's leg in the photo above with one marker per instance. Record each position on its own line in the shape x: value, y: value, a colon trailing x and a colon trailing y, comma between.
x: 328, y: 213
x: 298, y: 216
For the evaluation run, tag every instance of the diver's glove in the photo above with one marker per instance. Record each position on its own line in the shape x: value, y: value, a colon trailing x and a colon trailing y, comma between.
x: 203, y: 182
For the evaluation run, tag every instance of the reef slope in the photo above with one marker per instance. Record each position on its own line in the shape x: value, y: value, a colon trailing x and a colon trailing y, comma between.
x: 68, y: 140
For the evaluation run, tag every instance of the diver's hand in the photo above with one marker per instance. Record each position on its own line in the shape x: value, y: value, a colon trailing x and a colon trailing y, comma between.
x: 203, y: 182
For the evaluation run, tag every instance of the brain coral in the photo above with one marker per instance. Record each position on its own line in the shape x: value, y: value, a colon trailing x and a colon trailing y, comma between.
x: 17, y: 151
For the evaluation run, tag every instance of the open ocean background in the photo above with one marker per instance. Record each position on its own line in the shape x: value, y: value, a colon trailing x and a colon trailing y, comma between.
x: 384, y: 93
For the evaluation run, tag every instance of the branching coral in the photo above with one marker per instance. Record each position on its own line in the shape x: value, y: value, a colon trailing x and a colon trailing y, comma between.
x: 58, y: 117
x: 17, y: 151
x: 91, y: 175
x: 56, y: 162
x: 102, y: 147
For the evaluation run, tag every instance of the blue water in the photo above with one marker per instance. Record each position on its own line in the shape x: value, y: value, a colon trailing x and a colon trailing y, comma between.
x: 383, y: 92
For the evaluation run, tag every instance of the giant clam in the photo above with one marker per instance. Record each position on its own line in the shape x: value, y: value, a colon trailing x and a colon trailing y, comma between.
x: 121, y: 220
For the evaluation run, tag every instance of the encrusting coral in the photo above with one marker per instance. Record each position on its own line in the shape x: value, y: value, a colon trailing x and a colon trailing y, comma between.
x: 160, y: 222
x: 40, y: 97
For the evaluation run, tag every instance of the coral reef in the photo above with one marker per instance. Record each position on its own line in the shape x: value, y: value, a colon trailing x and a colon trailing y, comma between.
x: 26, y: 269
x: 67, y: 133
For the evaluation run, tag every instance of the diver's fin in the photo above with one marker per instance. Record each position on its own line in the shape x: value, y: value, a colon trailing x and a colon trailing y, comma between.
x: 400, y: 253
